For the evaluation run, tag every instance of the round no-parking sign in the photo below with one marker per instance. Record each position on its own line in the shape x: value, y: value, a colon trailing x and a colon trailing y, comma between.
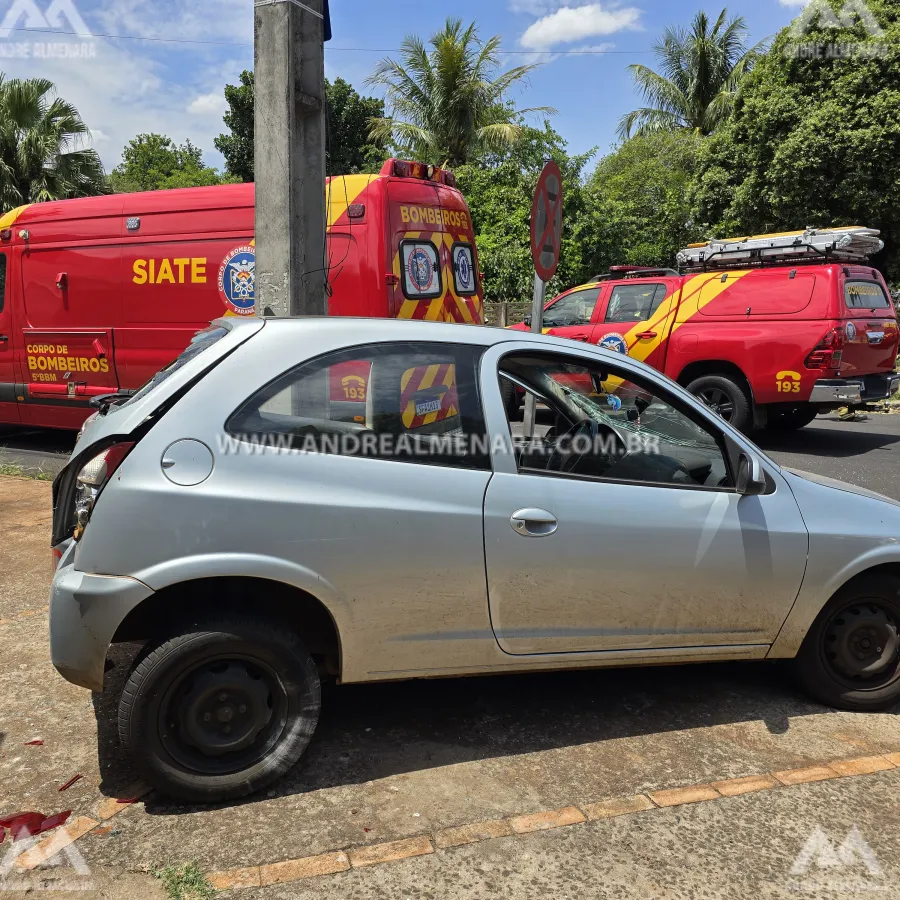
x: 546, y: 222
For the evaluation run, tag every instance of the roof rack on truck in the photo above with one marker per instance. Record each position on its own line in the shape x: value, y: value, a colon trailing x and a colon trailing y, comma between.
x: 618, y: 272
x: 852, y: 243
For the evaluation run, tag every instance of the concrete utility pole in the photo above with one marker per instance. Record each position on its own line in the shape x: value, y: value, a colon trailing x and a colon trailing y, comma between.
x: 289, y: 156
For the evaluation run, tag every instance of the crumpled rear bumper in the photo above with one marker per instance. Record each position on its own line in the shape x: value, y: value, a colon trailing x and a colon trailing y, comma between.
x: 85, y: 611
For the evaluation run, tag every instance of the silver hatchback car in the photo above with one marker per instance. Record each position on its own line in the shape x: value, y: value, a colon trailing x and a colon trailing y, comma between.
x: 348, y: 497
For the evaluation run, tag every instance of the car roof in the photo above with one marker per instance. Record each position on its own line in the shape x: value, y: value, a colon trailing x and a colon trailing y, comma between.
x: 357, y: 330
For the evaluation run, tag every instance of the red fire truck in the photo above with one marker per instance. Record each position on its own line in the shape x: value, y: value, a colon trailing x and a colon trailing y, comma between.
x: 768, y: 330
x: 98, y: 294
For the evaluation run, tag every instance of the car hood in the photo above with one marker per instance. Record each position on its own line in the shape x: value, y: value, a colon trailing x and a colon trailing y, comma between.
x: 832, y: 483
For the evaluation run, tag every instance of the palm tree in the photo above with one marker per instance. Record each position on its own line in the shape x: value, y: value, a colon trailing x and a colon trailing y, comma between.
x: 445, y: 103
x: 42, y: 146
x: 700, y: 70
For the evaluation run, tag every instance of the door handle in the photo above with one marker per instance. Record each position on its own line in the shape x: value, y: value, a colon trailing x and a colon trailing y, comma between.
x: 4, y: 338
x: 533, y: 522
x: 579, y: 336
x: 646, y: 335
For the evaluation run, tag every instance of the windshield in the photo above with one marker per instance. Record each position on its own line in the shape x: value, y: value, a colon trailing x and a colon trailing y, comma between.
x: 201, y: 341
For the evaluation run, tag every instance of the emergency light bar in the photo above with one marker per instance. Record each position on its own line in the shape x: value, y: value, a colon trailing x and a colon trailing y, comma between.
x: 853, y: 243
x: 400, y: 168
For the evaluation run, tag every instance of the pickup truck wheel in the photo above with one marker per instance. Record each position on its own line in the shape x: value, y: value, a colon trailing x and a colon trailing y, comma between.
x: 725, y: 397
x: 510, y: 394
x: 792, y: 418
x: 220, y: 710
x: 851, y: 657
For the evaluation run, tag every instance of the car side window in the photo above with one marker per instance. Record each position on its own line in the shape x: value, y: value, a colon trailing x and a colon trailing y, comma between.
x: 572, y: 309
x: 2, y: 281
x: 634, y: 302
x: 599, y: 422
x: 410, y: 402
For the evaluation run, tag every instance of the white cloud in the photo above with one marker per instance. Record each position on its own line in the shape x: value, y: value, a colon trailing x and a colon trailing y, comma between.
x: 212, y: 104
x: 570, y: 24
x: 794, y: 3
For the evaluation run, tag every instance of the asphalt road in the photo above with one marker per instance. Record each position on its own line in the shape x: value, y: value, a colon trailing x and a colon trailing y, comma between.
x: 864, y: 452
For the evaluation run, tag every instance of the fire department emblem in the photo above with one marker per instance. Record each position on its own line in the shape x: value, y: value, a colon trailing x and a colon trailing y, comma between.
x: 615, y: 342
x: 237, y: 278
x: 420, y: 269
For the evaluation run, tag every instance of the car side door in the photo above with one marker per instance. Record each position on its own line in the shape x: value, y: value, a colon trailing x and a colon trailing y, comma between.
x: 573, y: 314
x: 636, y: 318
x: 648, y: 545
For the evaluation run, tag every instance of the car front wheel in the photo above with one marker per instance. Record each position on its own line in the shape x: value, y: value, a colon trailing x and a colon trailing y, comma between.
x: 851, y: 657
x: 220, y: 710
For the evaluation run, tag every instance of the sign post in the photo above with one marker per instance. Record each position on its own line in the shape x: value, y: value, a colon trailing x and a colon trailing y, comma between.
x: 546, y: 242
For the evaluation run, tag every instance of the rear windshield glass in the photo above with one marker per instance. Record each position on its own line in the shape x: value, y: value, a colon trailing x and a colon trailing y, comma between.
x: 865, y: 295
x: 201, y: 341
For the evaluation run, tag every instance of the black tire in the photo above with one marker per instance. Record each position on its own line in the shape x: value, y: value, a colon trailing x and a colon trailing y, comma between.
x: 180, y: 700
x: 836, y: 666
x: 511, y: 402
x: 723, y: 395
x: 792, y: 418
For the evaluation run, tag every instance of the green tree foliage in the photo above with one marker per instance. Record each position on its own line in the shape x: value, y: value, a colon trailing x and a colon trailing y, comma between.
x: 153, y: 162
x: 637, y: 201
x: 499, y: 188
x: 349, y: 114
x: 700, y: 70
x: 812, y: 141
x: 43, y: 152
x: 446, y: 103
x: 237, y: 146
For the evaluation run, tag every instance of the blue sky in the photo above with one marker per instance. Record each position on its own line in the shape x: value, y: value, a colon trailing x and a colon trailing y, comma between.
x: 171, y: 80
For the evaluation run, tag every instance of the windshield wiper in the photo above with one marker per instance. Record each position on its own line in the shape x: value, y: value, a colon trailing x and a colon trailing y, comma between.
x: 104, y: 401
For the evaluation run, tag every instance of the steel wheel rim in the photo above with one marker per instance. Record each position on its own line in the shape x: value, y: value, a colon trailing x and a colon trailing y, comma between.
x: 860, y: 645
x: 211, y: 736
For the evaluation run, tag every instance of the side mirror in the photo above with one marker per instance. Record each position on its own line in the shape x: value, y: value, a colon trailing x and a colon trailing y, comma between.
x: 751, y: 480
x: 527, y: 321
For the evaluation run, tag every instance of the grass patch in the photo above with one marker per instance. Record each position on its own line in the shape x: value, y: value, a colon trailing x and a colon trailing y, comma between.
x: 185, y: 882
x: 19, y: 472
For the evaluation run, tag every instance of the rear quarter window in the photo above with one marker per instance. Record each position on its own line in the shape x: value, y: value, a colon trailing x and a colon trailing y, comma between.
x: 865, y: 295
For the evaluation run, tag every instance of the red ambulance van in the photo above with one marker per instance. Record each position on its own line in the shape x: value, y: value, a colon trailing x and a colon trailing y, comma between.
x: 98, y: 294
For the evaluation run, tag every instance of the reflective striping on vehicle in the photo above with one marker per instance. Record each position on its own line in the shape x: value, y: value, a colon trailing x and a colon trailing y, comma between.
x: 450, y: 307
x: 436, y: 387
x: 7, y: 220
x: 341, y: 191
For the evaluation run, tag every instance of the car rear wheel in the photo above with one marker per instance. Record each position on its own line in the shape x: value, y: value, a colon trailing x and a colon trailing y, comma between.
x: 220, y: 710
x: 851, y: 657
x: 792, y: 418
x: 725, y: 397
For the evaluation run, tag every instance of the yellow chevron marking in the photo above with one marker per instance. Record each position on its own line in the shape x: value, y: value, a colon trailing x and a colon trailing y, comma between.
x: 407, y: 310
x: 7, y: 220
x: 343, y: 190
